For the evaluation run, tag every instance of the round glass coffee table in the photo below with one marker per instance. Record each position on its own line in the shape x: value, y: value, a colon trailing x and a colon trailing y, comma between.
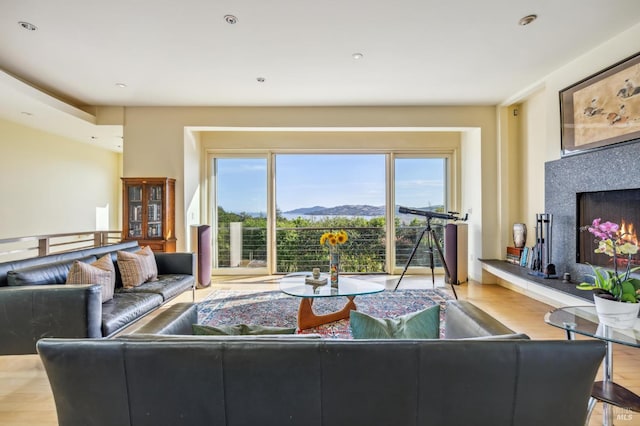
x: 294, y: 285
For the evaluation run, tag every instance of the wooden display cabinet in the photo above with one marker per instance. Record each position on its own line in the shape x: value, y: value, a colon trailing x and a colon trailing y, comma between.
x: 149, y: 212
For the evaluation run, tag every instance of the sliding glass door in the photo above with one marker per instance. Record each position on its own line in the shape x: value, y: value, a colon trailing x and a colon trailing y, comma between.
x: 268, y: 211
x: 419, y: 184
x: 319, y: 193
x: 239, y: 213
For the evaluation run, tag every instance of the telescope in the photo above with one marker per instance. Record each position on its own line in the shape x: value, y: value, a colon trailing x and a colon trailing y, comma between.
x: 430, y: 214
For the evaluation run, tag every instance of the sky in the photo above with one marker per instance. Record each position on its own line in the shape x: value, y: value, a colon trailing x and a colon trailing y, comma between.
x: 326, y: 180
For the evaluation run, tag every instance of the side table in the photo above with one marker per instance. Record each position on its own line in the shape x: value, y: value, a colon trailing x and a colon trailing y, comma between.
x: 584, y: 320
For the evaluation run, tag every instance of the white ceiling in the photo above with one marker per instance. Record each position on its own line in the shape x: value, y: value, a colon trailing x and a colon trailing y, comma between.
x: 183, y: 53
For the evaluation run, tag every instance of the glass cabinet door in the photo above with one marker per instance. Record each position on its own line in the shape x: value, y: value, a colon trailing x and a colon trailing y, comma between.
x: 154, y: 211
x: 135, y: 211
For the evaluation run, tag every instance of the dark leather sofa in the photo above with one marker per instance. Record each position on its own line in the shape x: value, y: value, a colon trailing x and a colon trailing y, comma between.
x: 234, y: 381
x: 486, y: 376
x: 35, y: 302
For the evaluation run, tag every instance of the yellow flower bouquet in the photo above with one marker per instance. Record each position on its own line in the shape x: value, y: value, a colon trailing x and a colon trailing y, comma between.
x: 333, y: 240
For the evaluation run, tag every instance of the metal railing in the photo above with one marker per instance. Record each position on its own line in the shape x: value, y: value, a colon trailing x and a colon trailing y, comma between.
x: 299, y: 249
x: 42, y: 245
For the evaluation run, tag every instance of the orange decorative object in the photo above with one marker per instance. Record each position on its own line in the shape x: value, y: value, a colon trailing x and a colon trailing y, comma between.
x: 308, y: 319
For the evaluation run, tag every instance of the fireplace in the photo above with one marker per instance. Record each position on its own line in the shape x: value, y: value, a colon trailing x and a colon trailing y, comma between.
x: 618, y: 206
x: 615, y: 170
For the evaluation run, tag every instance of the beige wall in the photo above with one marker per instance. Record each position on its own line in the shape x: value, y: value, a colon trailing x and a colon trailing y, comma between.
x: 51, y: 184
x: 331, y: 140
x: 531, y: 191
x: 539, y: 119
x: 193, y: 189
x: 599, y: 58
x: 155, y: 144
x: 473, y: 200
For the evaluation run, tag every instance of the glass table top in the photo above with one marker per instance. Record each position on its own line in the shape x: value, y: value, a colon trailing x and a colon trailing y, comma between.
x: 294, y: 285
x: 584, y: 320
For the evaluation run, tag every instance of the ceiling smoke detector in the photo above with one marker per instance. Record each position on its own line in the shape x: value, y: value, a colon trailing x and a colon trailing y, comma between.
x: 230, y: 19
x: 27, y: 26
x: 527, y: 20
x: 260, y: 79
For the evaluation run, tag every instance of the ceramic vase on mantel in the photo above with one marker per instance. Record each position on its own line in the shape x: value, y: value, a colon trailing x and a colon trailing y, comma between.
x: 519, y: 235
x: 334, y: 267
x: 616, y: 314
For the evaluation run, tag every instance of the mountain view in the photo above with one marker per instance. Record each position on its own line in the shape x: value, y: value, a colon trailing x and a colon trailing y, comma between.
x: 348, y: 210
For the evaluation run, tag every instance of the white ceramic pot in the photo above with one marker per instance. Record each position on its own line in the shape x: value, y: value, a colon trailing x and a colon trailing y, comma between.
x: 616, y: 314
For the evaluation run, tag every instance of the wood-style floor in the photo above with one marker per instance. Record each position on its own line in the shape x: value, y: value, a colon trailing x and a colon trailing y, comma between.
x: 26, y: 399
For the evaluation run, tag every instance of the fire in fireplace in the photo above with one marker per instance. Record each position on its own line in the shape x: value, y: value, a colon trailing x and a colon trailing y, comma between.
x: 618, y: 206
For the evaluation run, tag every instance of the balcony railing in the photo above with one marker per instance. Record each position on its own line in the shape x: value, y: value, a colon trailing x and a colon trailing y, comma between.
x: 42, y: 245
x: 298, y: 249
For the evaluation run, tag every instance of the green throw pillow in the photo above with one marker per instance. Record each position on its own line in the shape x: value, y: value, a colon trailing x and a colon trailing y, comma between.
x: 423, y: 324
x: 239, y: 329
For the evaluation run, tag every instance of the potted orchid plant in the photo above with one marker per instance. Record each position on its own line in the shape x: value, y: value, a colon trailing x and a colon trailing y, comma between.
x: 614, y: 286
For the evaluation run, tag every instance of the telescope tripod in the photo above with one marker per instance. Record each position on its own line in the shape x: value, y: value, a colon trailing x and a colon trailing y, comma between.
x: 432, y: 241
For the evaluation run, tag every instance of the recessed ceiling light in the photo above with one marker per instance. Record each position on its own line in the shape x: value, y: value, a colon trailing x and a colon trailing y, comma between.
x: 527, y: 20
x: 357, y: 55
x: 27, y: 113
x: 260, y: 79
x: 94, y: 138
x: 27, y: 26
x: 121, y: 85
x: 231, y: 19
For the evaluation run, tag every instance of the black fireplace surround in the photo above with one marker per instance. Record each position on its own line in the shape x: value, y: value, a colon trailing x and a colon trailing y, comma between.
x: 578, y: 180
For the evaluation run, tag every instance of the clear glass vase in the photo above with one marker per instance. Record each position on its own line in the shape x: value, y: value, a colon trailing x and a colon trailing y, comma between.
x: 334, y: 267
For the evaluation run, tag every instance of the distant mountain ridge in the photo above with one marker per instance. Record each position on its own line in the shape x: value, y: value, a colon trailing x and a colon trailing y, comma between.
x: 348, y: 210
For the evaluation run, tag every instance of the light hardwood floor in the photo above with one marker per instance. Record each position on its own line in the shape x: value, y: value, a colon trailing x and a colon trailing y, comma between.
x: 26, y: 399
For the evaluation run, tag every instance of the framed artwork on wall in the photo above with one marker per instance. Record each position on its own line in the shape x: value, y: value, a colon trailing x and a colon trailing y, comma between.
x: 603, y: 109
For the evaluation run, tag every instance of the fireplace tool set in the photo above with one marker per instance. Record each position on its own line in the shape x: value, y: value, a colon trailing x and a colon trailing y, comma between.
x: 542, y: 266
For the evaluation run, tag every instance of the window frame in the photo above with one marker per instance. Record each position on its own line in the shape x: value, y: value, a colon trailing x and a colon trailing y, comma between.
x: 451, y: 197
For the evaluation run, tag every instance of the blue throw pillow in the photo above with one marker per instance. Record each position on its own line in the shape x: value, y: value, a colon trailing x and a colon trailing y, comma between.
x: 423, y: 324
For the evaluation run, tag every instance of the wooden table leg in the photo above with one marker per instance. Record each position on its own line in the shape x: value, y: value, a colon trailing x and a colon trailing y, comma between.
x: 308, y: 319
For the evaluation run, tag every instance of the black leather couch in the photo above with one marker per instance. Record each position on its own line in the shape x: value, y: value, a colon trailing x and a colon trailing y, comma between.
x: 486, y: 376
x: 35, y: 302
x: 235, y: 381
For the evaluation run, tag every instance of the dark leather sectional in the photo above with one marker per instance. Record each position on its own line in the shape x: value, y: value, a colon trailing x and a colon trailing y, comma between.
x: 480, y: 374
x: 35, y: 302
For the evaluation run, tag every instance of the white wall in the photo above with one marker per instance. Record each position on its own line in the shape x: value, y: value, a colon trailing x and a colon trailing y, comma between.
x: 51, y: 184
